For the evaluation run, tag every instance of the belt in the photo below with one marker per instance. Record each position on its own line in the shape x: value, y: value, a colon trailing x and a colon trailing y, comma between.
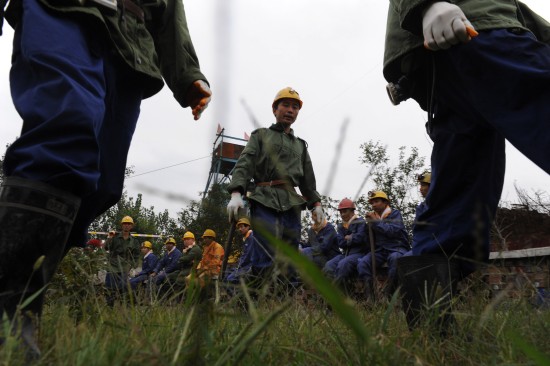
x: 131, y: 7
x: 275, y: 183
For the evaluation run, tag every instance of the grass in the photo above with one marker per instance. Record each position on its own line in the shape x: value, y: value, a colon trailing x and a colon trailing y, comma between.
x: 290, y: 332
x: 293, y: 330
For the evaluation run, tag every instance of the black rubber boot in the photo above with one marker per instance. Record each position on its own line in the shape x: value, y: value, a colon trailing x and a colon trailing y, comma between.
x: 428, y: 284
x: 35, y: 221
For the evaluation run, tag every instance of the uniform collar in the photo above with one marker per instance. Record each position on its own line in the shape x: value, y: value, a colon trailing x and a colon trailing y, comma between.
x: 279, y: 127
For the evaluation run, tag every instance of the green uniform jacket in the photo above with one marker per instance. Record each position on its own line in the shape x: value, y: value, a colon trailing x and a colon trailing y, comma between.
x: 123, y: 253
x: 189, y: 260
x: 158, y: 48
x: 269, y: 155
x: 404, y: 52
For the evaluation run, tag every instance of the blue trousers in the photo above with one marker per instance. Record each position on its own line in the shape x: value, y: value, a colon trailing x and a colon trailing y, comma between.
x: 79, y: 104
x: 285, y: 226
x: 364, y: 264
x: 493, y: 88
x: 341, y: 267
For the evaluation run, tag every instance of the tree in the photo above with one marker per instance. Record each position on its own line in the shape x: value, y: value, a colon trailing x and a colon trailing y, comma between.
x: 396, y: 181
x: 209, y: 213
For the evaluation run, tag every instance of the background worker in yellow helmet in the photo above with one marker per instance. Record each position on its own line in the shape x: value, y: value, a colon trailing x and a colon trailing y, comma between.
x: 391, y: 241
x: 148, y: 265
x: 191, y: 256
x: 212, y: 256
x: 278, y: 162
x: 167, y: 265
x: 123, y: 254
x: 249, y: 249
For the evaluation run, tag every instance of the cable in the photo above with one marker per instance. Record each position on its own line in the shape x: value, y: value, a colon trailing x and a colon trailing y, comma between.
x: 167, y: 167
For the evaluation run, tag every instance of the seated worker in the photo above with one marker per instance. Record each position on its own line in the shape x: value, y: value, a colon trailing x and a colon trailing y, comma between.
x: 148, y: 265
x: 191, y: 256
x: 322, y: 244
x: 424, y: 180
x: 168, y: 264
x: 212, y: 257
x: 250, y: 246
x: 390, y: 238
x: 352, y: 241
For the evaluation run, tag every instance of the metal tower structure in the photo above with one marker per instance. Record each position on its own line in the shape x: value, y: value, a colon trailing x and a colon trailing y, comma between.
x: 224, y: 157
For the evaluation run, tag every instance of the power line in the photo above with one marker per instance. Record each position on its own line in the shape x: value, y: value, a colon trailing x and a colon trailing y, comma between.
x: 170, y: 166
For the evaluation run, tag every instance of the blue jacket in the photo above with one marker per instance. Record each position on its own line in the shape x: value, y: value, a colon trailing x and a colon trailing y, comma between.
x: 359, y: 237
x: 325, y: 242
x: 390, y: 234
x: 245, y: 260
x: 169, y: 262
x: 148, y: 265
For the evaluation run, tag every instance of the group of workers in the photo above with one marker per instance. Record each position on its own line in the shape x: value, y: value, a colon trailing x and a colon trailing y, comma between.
x: 167, y: 276
x: 480, y: 68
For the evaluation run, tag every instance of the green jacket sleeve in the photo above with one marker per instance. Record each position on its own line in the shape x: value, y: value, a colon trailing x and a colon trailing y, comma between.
x: 178, y: 60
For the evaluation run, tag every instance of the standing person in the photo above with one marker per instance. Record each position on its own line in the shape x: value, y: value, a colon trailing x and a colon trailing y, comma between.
x: 148, y: 265
x: 167, y: 267
x: 123, y: 255
x: 481, y: 69
x: 212, y: 257
x: 353, y: 242
x: 390, y: 242
x: 79, y: 73
x: 322, y: 244
x: 277, y: 161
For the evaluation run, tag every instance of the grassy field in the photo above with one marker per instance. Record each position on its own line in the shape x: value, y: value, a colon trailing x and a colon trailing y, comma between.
x: 79, y: 329
x: 291, y: 332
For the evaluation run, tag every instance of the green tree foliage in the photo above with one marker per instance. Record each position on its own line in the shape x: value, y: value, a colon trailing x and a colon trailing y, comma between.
x: 397, y: 181
x: 209, y: 213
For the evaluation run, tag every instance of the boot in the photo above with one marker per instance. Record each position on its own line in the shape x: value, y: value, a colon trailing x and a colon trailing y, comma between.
x: 428, y: 283
x: 35, y: 221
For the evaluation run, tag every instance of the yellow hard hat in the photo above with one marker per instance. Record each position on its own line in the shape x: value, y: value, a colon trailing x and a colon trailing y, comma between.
x: 188, y: 235
x: 243, y: 220
x: 378, y: 194
x: 210, y: 233
x: 287, y: 92
x: 425, y: 177
x: 147, y: 244
x: 170, y: 240
x: 127, y: 220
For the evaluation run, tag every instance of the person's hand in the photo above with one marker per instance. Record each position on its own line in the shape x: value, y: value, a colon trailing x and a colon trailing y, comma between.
x: 371, y: 216
x: 198, y: 96
x: 317, y: 214
x: 234, y: 205
x: 444, y: 24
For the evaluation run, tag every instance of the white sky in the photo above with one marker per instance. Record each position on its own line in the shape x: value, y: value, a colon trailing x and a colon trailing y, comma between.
x: 329, y: 51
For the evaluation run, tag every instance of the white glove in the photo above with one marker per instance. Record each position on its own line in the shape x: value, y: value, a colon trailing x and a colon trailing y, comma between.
x: 234, y: 205
x: 444, y: 25
x: 317, y: 214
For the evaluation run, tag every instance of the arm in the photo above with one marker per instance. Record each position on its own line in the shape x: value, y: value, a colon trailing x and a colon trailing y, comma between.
x: 179, y: 63
x: 391, y: 227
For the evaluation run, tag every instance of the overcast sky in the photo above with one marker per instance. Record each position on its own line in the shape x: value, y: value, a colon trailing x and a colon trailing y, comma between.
x: 329, y: 51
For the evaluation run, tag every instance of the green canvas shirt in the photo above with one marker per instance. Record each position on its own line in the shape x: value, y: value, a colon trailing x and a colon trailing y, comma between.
x: 123, y: 253
x: 404, y: 50
x: 269, y: 155
x: 159, y: 48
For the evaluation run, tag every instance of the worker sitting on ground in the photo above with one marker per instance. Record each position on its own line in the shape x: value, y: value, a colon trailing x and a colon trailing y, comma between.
x: 168, y: 265
x: 187, y: 263
x: 322, y: 244
x: 250, y: 246
x: 390, y: 242
x: 352, y: 240
x: 212, y: 257
x: 148, y: 265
